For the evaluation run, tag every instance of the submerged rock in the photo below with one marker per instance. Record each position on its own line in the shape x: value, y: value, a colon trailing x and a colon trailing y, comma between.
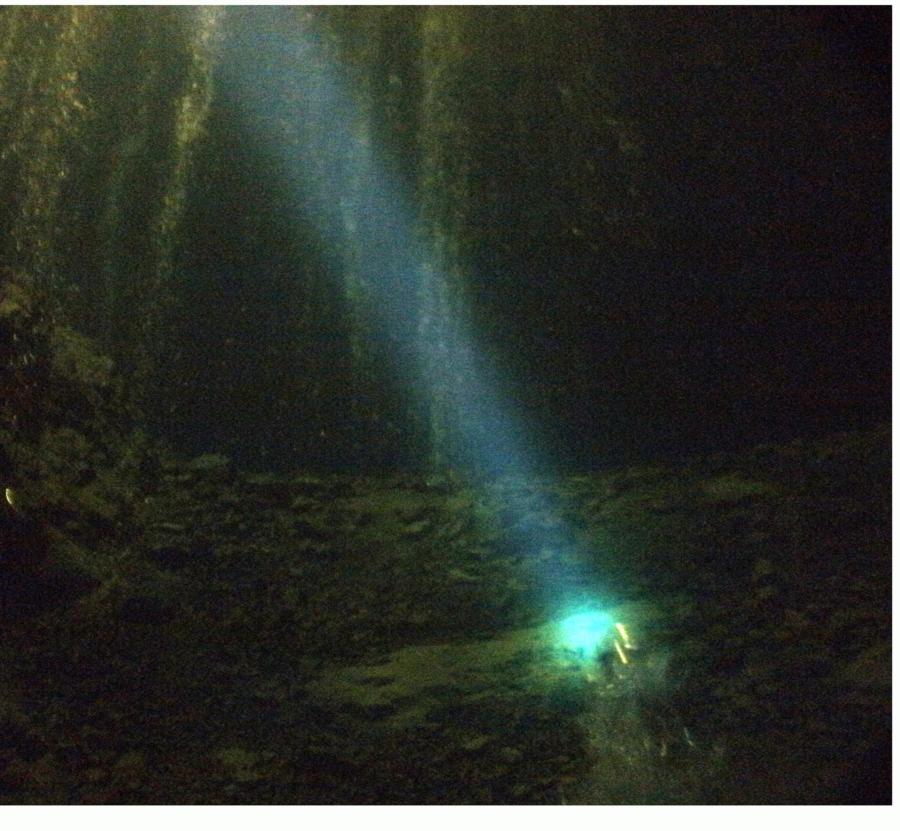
x: 423, y: 666
x: 214, y: 465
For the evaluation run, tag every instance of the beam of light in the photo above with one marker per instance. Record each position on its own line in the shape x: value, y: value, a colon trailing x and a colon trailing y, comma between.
x: 284, y: 86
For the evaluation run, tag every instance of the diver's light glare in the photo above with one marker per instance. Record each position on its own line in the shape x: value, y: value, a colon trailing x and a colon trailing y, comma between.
x: 622, y: 656
x: 585, y: 632
x: 624, y: 633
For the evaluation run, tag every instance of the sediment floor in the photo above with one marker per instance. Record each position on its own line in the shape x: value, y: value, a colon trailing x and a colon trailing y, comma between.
x: 323, y: 639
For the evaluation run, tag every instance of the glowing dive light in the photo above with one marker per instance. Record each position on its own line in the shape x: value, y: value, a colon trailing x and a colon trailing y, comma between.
x: 586, y: 632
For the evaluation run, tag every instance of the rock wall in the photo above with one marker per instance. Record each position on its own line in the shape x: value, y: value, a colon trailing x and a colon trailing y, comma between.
x: 73, y: 459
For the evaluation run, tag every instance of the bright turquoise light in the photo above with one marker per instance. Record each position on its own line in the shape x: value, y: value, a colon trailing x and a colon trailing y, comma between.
x: 585, y: 632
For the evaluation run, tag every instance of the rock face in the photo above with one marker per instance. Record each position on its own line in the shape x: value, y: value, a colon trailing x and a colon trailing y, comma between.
x: 568, y: 175
x: 335, y: 639
x: 71, y: 460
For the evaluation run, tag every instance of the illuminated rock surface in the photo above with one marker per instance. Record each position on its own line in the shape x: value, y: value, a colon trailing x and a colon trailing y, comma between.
x: 336, y: 639
x: 180, y: 631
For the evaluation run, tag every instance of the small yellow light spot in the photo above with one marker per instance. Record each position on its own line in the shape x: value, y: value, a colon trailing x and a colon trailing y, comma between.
x: 10, y: 498
x: 622, y: 656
